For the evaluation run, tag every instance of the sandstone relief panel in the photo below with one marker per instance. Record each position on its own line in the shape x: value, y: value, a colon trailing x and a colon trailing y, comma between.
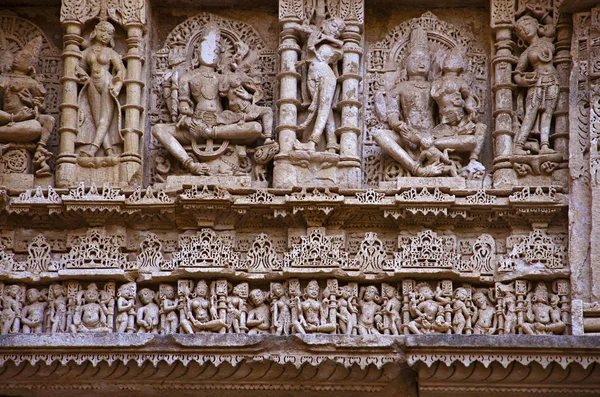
x: 531, y: 134
x: 103, y: 97
x: 319, y: 93
x: 30, y: 85
x: 426, y: 94
x: 213, y: 117
x: 343, y: 171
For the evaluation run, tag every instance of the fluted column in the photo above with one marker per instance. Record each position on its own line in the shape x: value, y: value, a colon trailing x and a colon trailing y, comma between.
x: 502, y: 19
x: 66, y: 159
x: 350, y: 104
x: 131, y: 158
x: 287, y: 103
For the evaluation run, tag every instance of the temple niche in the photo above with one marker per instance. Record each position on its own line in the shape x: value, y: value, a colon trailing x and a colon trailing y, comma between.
x: 427, y: 107
x: 531, y: 124
x: 319, y: 96
x: 103, y: 94
x: 212, y: 117
x: 29, y: 81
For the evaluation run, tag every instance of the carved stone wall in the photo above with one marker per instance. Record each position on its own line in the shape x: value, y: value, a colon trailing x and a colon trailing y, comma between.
x: 307, y: 197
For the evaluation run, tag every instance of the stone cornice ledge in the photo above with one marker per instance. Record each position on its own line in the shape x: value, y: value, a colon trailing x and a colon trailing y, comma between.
x: 299, y: 349
x: 202, y: 348
x: 504, y: 349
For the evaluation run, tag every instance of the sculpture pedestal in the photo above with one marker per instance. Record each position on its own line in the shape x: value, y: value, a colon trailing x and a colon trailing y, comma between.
x: 176, y: 182
x: 315, y: 169
x: 436, y: 181
x: 17, y: 181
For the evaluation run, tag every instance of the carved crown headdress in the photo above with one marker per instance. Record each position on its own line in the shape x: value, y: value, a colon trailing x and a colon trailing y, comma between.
x: 31, y: 51
x: 418, y: 41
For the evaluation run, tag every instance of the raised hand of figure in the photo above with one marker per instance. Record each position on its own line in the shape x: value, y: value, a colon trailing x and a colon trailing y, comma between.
x: 24, y: 114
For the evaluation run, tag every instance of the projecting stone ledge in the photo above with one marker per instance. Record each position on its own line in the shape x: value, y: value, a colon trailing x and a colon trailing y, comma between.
x: 329, y: 365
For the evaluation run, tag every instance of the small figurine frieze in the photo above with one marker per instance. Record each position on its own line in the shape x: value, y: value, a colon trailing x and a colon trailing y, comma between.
x: 289, y: 307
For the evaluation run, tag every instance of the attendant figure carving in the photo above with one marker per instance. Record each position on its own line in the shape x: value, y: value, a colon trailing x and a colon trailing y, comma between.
x: 237, y: 309
x: 148, y: 316
x: 58, y: 309
x: 485, y: 320
x: 34, y: 313
x: 280, y: 309
x: 323, y: 51
x: 370, y: 320
x: 11, y: 310
x: 21, y: 118
x: 102, y: 73
x: 125, y: 320
x: 169, y: 320
x: 392, y: 322
x: 258, y: 320
x: 461, y: 320
x: 535, y: 72
x: 347, y: 311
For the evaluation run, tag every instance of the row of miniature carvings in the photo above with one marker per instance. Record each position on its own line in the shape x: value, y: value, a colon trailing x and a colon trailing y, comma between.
x: 194, y: 306
x: 99, y: 250
x: 425, y: 196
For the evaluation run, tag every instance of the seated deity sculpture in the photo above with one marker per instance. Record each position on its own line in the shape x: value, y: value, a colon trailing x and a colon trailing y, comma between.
x: 198, y: 313
x: 214, y: 104
x: 311, y: 316
x: 90, y: 315
x: 427, y: 309
x: 423, y: 140
x: 21, y: 118
x: 541, y: 315
x: 458, y: 107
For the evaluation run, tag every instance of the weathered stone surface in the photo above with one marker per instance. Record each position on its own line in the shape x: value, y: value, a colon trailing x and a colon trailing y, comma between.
x: 314, y: 197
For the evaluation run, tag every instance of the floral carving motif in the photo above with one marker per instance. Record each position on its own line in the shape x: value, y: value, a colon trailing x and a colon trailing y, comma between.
x: 317, y: 251
x: 95, y: 250
x: 427, y: 250
x: 205, y: 249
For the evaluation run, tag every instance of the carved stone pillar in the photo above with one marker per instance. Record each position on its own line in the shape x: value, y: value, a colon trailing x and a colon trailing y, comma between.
x: 131, y: 159
x: 66, y: 160
x: 579, y: 167
x: 350, y: 130
x: 562, y: 62
x: 594, y: 143
x: 502, y: 19
x: 287, y: 103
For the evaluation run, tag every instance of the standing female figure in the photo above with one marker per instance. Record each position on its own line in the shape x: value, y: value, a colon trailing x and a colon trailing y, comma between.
x: 102, y: 72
